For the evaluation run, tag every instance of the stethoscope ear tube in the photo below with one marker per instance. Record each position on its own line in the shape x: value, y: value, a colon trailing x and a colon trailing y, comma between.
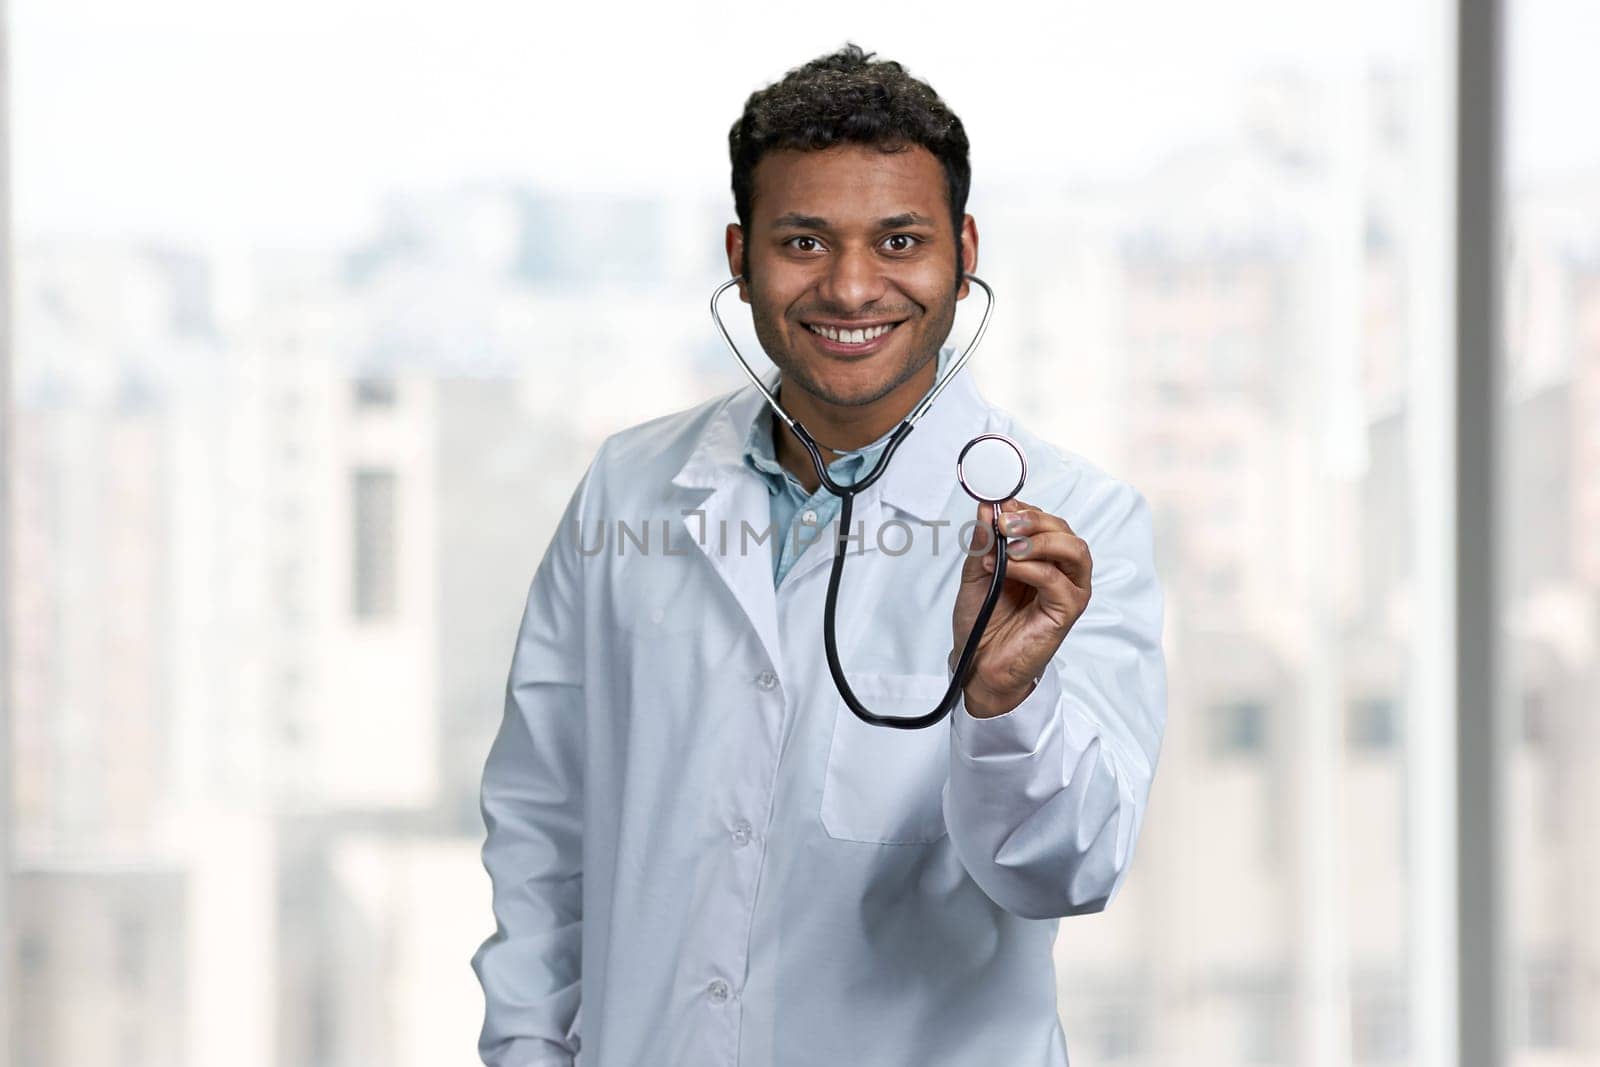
x: 846, y: 495
x: 916, y: 413
x: 958, y: 679
x: 846, y: 492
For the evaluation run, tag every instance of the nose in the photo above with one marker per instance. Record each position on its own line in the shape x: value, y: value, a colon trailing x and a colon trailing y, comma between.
x: 853, y: 280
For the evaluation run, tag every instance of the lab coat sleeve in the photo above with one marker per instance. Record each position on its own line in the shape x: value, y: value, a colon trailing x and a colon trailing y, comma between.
x: 1044, y: 802
x: 532, y: 803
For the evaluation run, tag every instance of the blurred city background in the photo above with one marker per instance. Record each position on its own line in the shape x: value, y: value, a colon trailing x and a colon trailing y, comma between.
x: 321, y: 312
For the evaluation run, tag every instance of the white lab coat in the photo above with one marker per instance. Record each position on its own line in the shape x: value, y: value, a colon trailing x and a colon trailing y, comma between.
x: 700, y: 856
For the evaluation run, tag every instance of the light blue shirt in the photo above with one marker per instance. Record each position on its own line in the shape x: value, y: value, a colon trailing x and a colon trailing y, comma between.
x: 799, y: 519
x: 699, y: 856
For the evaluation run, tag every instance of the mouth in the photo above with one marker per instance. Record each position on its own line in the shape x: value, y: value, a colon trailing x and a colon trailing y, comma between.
x: 844, y: 340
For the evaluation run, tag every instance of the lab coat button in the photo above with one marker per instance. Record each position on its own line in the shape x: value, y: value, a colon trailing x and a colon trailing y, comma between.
x: 741, y: 834
x: 766, y: 681
x: 809, y: 517
x: 717, y: 991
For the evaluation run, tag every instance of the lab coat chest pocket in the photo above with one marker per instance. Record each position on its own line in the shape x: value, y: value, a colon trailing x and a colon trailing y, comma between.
x: 884, y: 785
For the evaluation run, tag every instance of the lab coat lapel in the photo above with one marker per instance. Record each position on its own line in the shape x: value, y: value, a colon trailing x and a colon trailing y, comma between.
x: 725, y: 523
x: 922, y: 475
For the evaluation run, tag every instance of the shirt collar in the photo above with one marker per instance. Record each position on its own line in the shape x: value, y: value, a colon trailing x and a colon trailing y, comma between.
x: 919, y: 480
x: 760, y: 450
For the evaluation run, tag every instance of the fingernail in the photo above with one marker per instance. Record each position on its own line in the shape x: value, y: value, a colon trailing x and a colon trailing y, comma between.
x: 1011, y: 523
x: 988, y: 563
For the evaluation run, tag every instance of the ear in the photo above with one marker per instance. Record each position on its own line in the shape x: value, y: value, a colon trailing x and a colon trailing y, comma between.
x: 734, y: 240
x: 969, y: 253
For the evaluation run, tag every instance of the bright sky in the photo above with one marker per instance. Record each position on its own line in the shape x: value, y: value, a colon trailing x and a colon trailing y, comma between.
x: 288, y: 122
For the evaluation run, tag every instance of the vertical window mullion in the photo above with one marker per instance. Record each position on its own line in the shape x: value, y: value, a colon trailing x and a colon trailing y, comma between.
x: 1484, y: 962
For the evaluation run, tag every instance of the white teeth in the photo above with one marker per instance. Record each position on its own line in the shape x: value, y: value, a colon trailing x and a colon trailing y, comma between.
x: 852, y: 337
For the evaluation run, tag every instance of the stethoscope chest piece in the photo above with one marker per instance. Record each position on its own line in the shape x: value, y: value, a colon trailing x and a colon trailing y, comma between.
x: 992, y: 468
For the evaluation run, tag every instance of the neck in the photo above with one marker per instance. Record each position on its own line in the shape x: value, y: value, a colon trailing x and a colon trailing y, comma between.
x: 844, y: 428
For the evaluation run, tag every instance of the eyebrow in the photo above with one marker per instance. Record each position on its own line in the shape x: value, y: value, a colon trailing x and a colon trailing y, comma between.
x: 796, y: 221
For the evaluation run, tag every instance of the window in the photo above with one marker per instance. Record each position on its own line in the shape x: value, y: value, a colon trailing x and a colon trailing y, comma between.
x: 1370, y: 724
x: 1237, y: 728
x: 1116, y: 1029
x: 1534, y: 722
x: 1263, y: 1024
x: 373, y: 562
x: 374, y: 392
x: 130, y: 933
x: 1378, y: 1021
x: 1544, y: 1006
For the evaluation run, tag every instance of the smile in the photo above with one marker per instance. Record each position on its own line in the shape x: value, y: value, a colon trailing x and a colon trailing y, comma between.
x: 852, y: 337
x: 848, y: 341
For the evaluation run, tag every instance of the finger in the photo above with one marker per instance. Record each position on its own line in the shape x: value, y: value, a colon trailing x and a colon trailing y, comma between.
x: 981, y: 535
x: 1067, y: 551
x: 1057, y: 595
x: 1022, y: 518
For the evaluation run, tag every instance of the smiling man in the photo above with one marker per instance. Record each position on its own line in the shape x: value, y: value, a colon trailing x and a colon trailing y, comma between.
x: 699, y: 854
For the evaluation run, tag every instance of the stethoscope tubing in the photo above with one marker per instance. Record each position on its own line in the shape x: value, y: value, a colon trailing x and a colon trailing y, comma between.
x: 911, y: 419
x: 958, y: 678
x: 846, y: 495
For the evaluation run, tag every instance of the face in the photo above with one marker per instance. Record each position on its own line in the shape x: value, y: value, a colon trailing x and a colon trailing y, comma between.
x: 852, y: 267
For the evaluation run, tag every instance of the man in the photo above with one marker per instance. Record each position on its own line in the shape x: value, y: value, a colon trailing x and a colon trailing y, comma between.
x: 699, y: 854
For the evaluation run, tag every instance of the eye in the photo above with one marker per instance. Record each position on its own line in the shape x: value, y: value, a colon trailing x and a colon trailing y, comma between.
x: 794, y: 242
x: 902, y: 242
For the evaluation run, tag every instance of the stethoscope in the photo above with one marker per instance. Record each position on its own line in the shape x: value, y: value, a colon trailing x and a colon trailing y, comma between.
x: 847, y: 494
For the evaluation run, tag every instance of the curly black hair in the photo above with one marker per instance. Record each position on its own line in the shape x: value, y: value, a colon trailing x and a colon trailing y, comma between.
x: 849, y: 98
